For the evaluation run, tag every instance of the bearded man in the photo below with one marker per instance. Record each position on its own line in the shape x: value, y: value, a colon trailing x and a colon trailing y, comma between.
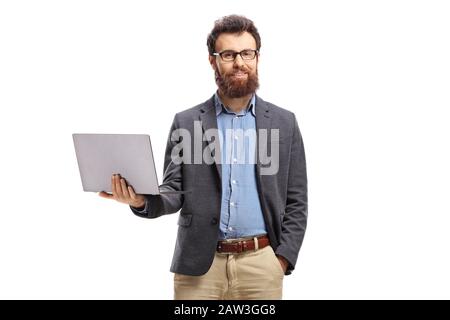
x: 243, y: 217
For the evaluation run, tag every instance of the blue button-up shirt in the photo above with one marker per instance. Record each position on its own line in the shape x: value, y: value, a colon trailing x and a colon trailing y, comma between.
x: 240, y: 214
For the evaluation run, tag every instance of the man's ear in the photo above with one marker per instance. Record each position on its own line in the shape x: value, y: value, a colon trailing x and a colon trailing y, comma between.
x: 212, y: 61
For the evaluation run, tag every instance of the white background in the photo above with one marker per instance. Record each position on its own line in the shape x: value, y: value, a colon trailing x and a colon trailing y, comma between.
x: 368, y: 80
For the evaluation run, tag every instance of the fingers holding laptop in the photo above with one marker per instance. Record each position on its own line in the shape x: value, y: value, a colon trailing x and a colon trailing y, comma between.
x: 123, y: 193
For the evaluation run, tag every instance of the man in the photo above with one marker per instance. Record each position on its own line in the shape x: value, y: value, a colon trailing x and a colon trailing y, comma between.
x: 242, y: 223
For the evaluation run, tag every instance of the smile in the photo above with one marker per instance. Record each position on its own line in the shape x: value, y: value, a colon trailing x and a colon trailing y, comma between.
x: 240, y: 75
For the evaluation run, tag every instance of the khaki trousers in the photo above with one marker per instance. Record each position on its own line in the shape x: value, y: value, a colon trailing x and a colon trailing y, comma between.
x: 244, y: 276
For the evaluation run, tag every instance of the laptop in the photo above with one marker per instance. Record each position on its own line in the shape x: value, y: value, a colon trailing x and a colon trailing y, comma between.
x: 100, y: 156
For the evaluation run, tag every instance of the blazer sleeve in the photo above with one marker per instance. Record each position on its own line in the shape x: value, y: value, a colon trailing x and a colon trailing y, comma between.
x: 158, y: 205
x: 296, y: 211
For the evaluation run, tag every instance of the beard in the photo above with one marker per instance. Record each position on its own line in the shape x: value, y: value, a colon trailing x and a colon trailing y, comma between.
x: 233, y: 87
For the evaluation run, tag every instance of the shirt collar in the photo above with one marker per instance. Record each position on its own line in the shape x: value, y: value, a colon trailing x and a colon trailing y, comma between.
x: 220, y: 106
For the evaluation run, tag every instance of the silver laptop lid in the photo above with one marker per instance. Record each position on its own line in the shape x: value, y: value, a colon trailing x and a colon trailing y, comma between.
x: 130, y: 155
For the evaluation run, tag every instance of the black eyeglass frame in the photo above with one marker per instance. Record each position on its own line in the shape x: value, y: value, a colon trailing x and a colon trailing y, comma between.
x: 235, y: 54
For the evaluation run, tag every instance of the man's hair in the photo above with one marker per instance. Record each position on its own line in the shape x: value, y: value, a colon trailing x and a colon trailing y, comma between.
x: 232, y: 24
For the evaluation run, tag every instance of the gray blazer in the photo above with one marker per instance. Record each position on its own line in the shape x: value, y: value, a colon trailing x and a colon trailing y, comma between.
x: 283, y: 196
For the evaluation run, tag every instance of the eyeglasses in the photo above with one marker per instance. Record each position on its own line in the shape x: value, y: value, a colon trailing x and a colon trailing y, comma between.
x: 230, y: 55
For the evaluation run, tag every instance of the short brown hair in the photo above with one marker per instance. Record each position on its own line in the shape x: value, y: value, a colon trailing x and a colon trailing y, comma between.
x: 232, y: 24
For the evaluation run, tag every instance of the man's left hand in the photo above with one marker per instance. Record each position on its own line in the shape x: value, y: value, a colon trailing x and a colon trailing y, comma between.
x: 283, y: 262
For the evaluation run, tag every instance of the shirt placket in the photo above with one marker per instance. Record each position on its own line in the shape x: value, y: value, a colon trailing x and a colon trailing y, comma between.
x: 234, y: 168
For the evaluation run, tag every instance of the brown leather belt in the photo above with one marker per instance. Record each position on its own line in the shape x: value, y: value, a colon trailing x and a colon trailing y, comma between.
x: 238, y: 246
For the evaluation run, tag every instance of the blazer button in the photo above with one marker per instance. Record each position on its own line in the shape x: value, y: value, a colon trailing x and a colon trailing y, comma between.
x: 213, y: 221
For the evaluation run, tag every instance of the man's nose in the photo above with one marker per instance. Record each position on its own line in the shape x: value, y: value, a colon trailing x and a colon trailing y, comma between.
x: 238, y: 61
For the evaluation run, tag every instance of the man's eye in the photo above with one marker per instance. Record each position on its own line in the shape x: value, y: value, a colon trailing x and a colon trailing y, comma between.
x: 247, y: 53
x: 228, y: 55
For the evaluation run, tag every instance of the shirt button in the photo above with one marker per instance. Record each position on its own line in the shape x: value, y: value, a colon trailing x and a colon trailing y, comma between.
x: 236, y: 137
x: 234, y: 160
x: 213, y: 221
x: 233, y: 181
x: 232, y: 204
x: 230, y: 228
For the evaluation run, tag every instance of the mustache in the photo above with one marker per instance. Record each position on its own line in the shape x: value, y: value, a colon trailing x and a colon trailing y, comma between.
x: 241, y: 70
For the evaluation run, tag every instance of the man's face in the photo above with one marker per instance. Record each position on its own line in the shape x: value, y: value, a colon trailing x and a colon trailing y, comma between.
x: 237, y: 78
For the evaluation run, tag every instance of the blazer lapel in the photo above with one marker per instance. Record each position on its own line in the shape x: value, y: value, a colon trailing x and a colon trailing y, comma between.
x: 208, y: 120
x: 263, y: 122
